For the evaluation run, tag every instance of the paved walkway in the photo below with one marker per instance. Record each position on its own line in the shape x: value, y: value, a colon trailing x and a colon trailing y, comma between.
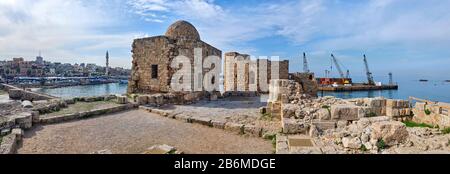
x: 133, y: 132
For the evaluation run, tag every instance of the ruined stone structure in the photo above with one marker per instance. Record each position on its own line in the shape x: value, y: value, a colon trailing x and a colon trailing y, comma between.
x: 241, y: 74
x: 433, y: 113
x: 307, y: 82
x: 152, y: 58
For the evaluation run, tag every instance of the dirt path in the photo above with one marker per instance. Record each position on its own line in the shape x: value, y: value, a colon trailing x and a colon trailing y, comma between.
x: 133, y: 132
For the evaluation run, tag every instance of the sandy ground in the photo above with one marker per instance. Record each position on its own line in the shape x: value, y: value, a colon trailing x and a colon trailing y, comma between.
x: 133, y: 132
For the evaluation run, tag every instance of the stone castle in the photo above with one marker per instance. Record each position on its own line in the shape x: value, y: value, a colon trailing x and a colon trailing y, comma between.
x: 152, y: 56
x: 152, y: 72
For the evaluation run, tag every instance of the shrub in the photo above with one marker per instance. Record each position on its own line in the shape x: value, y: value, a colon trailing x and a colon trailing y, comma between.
x: 414, y: 124
x: 427, y: 111
x: 326, y: 107
x: 446, y: 131
x: 381, y: 144
x: 371, y: 114
x: 266, y: 116
x: 363, y: 148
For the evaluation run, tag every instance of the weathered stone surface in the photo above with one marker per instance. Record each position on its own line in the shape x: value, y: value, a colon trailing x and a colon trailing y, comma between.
x: 324, y: 114
x: 24, y: 120
x: 18, y: 132
x: 346, y: 112
x: 392, y: 132
x: 103, y: 152
x: 160, y: 149
x: 218, y: 124
x: 324, y: 125
x: 293, y: 126
x: 152, y: 58
x: 202, y: 121
x: 183, y: 117
x: 142, y: 99
x: 27, y: 104
x: 353, y: 143
x: 288, y: 110
x: 234, y: 127
x: 9, y: 144
x: 122, y: 100
x: 253, y: 130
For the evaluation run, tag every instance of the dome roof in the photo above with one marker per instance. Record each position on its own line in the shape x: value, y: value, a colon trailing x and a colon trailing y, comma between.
x: 182, y: 30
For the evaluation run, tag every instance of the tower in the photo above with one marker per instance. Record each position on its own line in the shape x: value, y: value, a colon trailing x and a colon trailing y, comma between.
x: 107, y: 64
x: 391, y: 82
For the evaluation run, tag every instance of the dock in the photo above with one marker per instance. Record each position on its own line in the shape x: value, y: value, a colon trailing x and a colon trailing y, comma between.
x: 358, y: 88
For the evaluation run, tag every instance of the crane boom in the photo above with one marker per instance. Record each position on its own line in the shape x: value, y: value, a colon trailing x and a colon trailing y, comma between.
x: 338, y: 67
x: 305, y: 63
x: 368, y: 73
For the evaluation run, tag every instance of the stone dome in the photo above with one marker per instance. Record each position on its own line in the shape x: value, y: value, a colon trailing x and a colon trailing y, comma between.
x: 182, y: 30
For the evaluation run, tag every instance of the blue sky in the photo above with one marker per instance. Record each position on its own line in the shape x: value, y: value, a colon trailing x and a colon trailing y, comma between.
x: 410, y: 38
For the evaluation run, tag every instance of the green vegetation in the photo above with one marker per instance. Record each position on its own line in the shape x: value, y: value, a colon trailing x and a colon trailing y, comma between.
x: 414, y: 124
x: 82, y: 107
x: 272, y: 137
x: 381, y: 144
x: 363, y: 148
x: 266, y: 116
x: 446, y: 131
x: 427, y: 111
x: 173, y: 151
x: 371, y: 114
x: 326, y: 107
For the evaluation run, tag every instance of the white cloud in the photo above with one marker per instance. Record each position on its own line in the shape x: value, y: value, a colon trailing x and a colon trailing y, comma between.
x: 65, y: 31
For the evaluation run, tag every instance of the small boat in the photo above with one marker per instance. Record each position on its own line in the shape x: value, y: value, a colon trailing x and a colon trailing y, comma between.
x: 423, y: 80
x: 447, y: 81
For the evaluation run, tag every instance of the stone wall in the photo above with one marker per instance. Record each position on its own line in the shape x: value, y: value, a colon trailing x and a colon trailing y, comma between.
x: 307, y: 82
x: 160, y: 51
x: 436, y: 114
x: 250, y: 72
x: 21, y: 94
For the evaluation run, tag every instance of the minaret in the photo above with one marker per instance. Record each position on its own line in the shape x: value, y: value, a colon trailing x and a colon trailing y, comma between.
x: 107, y: 64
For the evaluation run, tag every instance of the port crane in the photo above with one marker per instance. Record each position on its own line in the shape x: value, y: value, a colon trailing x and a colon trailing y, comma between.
x: 368, y: 73
x: 338, y: 67
x: 341, y: 73
x: 305, y: 63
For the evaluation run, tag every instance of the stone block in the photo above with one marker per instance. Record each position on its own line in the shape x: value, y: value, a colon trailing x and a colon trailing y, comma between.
x: 293, y: 126
x: 391, y: 132
x: 18, y: 132
x: 218, y: 124
x: 346, y: 112
x: 122, y: 100
x: 352, y: 143
x: 183, y: 117
x: 324, y: 125
x: 392, y: 112
x: 24, y: 120
x: 9, y: 144
x: 142, y: 99
x: 288, y: 110
x: 253, y: 130
x: 234, y: 127
x: 324, y: 114
x: 202, y: 121
x: 375, y: 102
x: 35, y: 116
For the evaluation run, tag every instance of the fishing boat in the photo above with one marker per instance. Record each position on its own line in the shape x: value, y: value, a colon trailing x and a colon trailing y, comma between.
x: 423, y: 80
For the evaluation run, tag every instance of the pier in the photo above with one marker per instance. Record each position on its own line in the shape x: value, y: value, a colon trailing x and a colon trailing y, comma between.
x: 358, y: 88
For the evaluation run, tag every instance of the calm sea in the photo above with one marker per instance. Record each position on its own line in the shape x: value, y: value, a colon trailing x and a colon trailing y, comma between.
x: 431, y: 90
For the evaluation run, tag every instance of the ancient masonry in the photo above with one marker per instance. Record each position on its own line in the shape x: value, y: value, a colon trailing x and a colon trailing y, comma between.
x: 152, y: 57
x: 240, y: 73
